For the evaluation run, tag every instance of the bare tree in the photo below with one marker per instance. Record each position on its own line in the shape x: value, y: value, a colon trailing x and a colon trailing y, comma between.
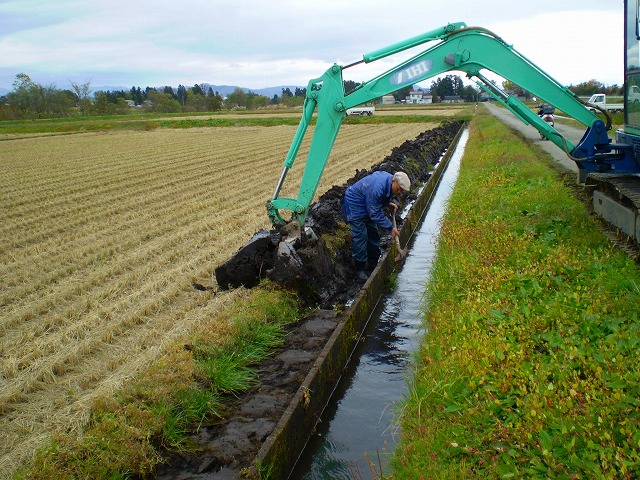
x: 83, y: 92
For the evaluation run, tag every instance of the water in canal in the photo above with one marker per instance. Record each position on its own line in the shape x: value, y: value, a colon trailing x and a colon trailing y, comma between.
x: 358, y: 425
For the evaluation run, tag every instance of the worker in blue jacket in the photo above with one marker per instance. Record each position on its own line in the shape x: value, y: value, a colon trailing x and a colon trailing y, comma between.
x: 362, y: 206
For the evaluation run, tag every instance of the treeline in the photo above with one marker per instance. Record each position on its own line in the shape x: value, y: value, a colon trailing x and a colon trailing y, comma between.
x: 30, y: 100
x: 584, y: 89
x: 594, y: 86
x: 452, y: 86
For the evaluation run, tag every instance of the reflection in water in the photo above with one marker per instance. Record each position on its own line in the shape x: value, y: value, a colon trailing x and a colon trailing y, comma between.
x: 359, y: 422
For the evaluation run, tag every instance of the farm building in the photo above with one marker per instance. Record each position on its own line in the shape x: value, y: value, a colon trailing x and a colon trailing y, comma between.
x: 419, y: 96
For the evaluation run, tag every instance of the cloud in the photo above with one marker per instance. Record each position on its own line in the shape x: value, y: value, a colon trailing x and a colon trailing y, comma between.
x: 259, y: 43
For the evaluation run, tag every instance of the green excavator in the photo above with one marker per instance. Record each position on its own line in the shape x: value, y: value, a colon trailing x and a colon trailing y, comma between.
x: 472, y: 50
x: 610, y: 169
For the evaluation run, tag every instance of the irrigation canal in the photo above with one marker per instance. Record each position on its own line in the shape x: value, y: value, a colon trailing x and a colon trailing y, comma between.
x: 358, y: 426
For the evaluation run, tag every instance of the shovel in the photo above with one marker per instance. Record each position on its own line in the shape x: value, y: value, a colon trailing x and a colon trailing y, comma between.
x: 402, y: 253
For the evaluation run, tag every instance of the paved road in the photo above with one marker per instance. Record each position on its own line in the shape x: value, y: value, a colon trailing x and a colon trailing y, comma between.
x: 573, y: 134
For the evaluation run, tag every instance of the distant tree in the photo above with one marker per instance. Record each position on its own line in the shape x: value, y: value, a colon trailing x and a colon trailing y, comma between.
x: 470, y: 94
x: 195, y: 103
x: 169, y: 90
x: 121, y: 107
x: 22, y: 81
x: 19, y: 99
x: 83, y: 96
x: 349, y: 86
x: 71, y: 96
x: 290, y: 99
x: 54, y: 102
x: 595, y: 86
x: 261, y: 101
x: 101, y: 104
x: 615, y: 89
x: 5, y: 111
x: 249, y: 100
x: 162, y: 102
x: 32, y: 100
x: 516, y: 89
x: 214, y: 101
x: 275, y: 100
x: 182, y: 95
x: 446, y: 86
x: 115, y: 96
x: 588, y: 88
x: 403, y: 93
x: 136, y: 95
x: 237, y: 98
x: 109, y: 103
x: 197, y: 90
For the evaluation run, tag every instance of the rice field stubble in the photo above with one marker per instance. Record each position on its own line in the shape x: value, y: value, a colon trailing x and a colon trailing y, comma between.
x: 102, y: 237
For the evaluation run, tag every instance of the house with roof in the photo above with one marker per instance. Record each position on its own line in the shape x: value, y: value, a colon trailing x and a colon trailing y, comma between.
x: 419, y: 96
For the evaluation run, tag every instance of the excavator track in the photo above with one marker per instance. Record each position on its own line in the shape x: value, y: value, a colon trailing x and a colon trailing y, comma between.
x: 624, y: 188
x: 616, y: 198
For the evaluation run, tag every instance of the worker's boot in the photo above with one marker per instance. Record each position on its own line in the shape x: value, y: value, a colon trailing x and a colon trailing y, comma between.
x: 372, y: 260
x: 361, y: 272
x: 371, y: 266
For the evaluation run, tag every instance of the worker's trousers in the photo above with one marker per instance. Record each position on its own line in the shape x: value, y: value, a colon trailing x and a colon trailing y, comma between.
x: 365, y: 240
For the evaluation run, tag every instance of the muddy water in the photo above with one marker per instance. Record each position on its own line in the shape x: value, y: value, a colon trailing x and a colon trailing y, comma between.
x: 358, y: 426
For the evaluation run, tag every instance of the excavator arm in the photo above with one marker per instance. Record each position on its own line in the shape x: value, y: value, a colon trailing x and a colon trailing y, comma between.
x: 457, y: 48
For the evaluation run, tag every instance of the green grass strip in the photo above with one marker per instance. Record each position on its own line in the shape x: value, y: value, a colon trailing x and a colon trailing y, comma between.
x: 530, y: 365
x: 189, y: 385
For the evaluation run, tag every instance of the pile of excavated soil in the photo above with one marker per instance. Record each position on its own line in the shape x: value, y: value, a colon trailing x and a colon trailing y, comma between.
x: 325, y: 277
x: 228, y: 446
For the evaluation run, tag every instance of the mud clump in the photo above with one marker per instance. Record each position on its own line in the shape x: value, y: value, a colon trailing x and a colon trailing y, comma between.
x: 317, y: 262
x: 247, y: 266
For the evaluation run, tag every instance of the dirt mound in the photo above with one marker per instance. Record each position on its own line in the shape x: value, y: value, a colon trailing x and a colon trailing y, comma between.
x: 318, y: 263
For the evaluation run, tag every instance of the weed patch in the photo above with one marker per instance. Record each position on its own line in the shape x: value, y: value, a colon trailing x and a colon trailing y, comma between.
x: 190, y: 385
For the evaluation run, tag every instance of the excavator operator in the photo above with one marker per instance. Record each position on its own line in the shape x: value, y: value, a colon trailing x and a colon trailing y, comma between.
x: 362, y: 206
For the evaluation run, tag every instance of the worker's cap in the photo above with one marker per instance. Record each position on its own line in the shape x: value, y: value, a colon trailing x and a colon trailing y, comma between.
x: 402, y: 179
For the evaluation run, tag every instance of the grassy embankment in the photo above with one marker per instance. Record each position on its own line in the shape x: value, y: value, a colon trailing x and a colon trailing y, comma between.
x: 530, y: 366
x: 189, y: 385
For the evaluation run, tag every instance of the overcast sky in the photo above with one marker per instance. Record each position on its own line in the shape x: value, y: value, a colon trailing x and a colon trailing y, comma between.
x: 267, y: 43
